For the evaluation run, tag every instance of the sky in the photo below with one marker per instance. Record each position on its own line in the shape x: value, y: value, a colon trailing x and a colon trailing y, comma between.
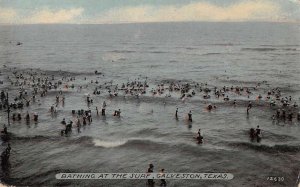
x: 137, y: 11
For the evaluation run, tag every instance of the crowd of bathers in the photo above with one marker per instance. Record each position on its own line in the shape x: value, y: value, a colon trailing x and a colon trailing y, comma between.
x: 29, y: 87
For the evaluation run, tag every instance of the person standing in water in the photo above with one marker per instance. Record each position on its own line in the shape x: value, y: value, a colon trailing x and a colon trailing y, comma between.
x: 97, y: 111
x: 248, y: 108
x: 199, y: 137
x: 162, y: 181
x: 258, y: 134
x: 190, y: 116
x: 103, y: 111
x: 199, y: 133
x: 258, y: 131
x: 249, y: 104
x: 176, y: 114
x: 150, y: 170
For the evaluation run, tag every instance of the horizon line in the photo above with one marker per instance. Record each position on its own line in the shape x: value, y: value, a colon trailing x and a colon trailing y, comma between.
x: 156, y: 22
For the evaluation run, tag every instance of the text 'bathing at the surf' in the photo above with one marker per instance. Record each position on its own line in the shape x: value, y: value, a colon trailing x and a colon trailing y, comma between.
x: 199, y: 176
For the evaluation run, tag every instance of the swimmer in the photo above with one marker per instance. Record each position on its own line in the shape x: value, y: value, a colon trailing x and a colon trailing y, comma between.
x: 258, y: 131
x: 35, y: 117
x: 150, y: 170
x: 273, y: 117
x: 27, y: 117
x: 84, y: 120
x: 249, y: 105
x: 290, y: 116
x: 190, y: 116
x: 278, y: 113
x: 295, y: 105
x: 259, y: 96
x: 19, y: 117
x: 4, y: 130
x: 248, y: 108
x: 117, y: 113
x: 63, y: 122
x: 103, y: 111
x: 163, y: 181
x: 283, y: 114
x: 252, y: 133
x: 199, y: 137
x: 199, y: 133
x: 209, y: 107
x: 97, y: 111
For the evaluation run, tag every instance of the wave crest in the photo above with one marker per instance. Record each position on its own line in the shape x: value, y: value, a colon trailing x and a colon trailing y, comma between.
x: 108, y: 144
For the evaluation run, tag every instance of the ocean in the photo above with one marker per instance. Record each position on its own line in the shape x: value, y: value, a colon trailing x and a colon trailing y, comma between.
x: 261, y: 56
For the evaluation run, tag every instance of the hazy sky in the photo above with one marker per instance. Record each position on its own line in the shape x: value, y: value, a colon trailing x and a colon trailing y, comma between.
x: 120, y: 11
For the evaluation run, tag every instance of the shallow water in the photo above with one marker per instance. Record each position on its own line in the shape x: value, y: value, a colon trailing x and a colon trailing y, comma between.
x: 219, y: 54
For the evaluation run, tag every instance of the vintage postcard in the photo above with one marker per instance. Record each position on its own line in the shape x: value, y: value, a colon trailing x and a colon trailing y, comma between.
x: 125, y: 93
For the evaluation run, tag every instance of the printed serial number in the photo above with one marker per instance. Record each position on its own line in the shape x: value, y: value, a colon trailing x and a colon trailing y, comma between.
x: 275, y: 179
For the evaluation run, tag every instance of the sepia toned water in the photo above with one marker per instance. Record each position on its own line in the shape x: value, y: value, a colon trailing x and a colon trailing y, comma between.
x: 219, y: 54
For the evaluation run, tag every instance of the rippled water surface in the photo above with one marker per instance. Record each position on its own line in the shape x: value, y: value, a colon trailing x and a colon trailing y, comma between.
x: 219, y: 54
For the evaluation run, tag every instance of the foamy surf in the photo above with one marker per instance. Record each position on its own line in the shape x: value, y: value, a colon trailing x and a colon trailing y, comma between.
x: 108, y: 144
x: 131, y: 141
